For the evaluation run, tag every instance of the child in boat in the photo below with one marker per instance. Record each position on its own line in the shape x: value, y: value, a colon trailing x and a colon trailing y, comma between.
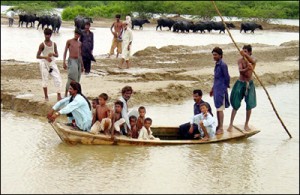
x: 95, y: 103
x: 206, y: 123
x: 133, y: 124
x: 141, y: 118
x: 145, y: 132
x: 117, y: 119
x: 102, y: 120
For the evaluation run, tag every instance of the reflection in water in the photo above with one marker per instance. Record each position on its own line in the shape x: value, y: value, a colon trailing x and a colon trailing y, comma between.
x: 34, y: 160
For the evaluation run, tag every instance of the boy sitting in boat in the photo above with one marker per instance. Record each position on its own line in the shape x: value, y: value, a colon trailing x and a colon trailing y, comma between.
x: 141, y: 118
x: 206, y: 123
x: 117, y: 119
x: 133, y: 124
x: 145, y: 132
x: 102, y: 118
x: 95, y: 103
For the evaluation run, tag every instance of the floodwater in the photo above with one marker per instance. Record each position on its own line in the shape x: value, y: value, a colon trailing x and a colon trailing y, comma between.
x: 22, y: 43
x: 33, y: 159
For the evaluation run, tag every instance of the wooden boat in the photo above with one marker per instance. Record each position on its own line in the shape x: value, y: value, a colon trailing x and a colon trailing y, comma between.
x: 167, y: 135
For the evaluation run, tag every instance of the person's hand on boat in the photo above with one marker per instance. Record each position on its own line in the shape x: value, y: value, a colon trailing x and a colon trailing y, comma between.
x: 191, y: 130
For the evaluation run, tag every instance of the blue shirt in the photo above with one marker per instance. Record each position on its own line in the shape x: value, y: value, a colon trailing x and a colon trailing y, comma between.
x: 79, y: 109
x: 221, y: 83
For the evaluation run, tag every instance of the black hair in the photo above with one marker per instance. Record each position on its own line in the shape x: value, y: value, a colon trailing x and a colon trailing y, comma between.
x: 218, y: 50
x: 248, y: 47
x: 118, y: 102
x: 148, y: 119
x: 142, y: 108
x: 198, y: 91
x: 48, y: 31
x: 132, y: 117
x: 126, y: 88
x: 78, y: 31
x: 88, y: 23
x: 104, y: 96
x: 118, y: 16
x: 76, y: 86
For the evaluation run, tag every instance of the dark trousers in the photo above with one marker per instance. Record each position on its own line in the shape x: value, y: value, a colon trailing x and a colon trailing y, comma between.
x: 87, y: 64
x: 184, y: 131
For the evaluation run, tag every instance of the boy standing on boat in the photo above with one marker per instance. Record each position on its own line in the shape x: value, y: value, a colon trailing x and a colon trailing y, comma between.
x: 220, y: 85
x: 134, y: 133
x: 244, y: 87
x: 141, y: 118
x: 206, y: 123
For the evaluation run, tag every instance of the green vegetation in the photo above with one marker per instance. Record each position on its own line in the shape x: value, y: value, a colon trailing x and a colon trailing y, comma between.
x: 200, y: 9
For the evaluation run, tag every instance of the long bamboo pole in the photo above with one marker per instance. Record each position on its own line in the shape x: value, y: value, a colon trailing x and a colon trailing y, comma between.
x: 253, y: 71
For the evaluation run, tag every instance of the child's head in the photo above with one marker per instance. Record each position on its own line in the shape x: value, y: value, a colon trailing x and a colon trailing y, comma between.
x: 132, y: 120
x: 103, y: 97
x: 142, y: 111
x: 95, y: 102
x: 118, y: 106
x: 147, y: 122
x: 203, y: 108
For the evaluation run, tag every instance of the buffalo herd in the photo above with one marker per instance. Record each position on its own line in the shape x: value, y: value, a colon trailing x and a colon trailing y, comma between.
x: 178, y: 25
x: 44, y: 20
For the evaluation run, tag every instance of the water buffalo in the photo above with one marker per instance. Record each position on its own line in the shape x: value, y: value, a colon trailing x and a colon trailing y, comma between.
x: 139, y: 22
x: 165, y: 22
x: 183, y: 26
x: 55, y: 22
x: 245, y: 26
x: 201, y: 26
x: 44, y: 20
x: 79, y: 21
x: 28, y: 18
x: 220, y: 26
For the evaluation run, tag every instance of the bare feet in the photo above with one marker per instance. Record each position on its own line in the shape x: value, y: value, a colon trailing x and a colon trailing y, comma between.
x: 230, y: 128
x: 46, y: 99
x: 247, y: 128
x: 219, y: 131
x: 205, y: 138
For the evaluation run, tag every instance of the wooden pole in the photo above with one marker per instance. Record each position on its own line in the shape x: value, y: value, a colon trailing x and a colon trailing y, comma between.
x: 253, y: 71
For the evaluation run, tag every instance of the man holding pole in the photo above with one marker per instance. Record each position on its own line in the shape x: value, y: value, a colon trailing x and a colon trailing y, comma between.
x: 244, y: 87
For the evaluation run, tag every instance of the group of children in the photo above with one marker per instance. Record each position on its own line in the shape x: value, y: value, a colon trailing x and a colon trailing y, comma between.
x: 111, y: 122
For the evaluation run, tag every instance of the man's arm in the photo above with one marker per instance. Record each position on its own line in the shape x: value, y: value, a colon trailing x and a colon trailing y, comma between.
x: 65, y: 54
x: 55, y: 50
x: 80, y: 57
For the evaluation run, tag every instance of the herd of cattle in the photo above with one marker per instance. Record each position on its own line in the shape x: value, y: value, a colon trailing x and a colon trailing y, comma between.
x: 178, y: 25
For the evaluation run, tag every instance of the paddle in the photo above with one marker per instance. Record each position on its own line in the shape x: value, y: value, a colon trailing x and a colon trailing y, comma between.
x: 253, y: 71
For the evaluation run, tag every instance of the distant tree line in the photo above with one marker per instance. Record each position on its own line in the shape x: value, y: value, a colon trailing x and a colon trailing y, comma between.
x: 145, y: 9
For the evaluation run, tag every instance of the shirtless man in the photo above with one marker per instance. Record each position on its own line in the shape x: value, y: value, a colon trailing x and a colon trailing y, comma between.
x: 102, y: 119
x: 75, y: 63
x: 116, y: 43
x: 244, y: 87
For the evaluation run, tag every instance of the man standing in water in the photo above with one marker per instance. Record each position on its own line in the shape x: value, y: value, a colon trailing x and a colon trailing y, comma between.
x: 117, y: 41
x: 47, y: 64
x: 244, y: 87
x: 219, y: 89
x: 126, y: 45
x: 87, y: 40
x: 75, y: 63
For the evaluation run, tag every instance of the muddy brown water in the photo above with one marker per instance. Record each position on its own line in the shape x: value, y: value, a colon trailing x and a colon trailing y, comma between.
x: 34, y: 160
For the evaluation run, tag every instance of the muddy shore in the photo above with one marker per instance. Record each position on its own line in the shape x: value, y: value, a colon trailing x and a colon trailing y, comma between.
x: 165, y: 75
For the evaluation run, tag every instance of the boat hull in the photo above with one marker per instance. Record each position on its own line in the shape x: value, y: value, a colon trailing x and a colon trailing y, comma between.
x: 167, y: 135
